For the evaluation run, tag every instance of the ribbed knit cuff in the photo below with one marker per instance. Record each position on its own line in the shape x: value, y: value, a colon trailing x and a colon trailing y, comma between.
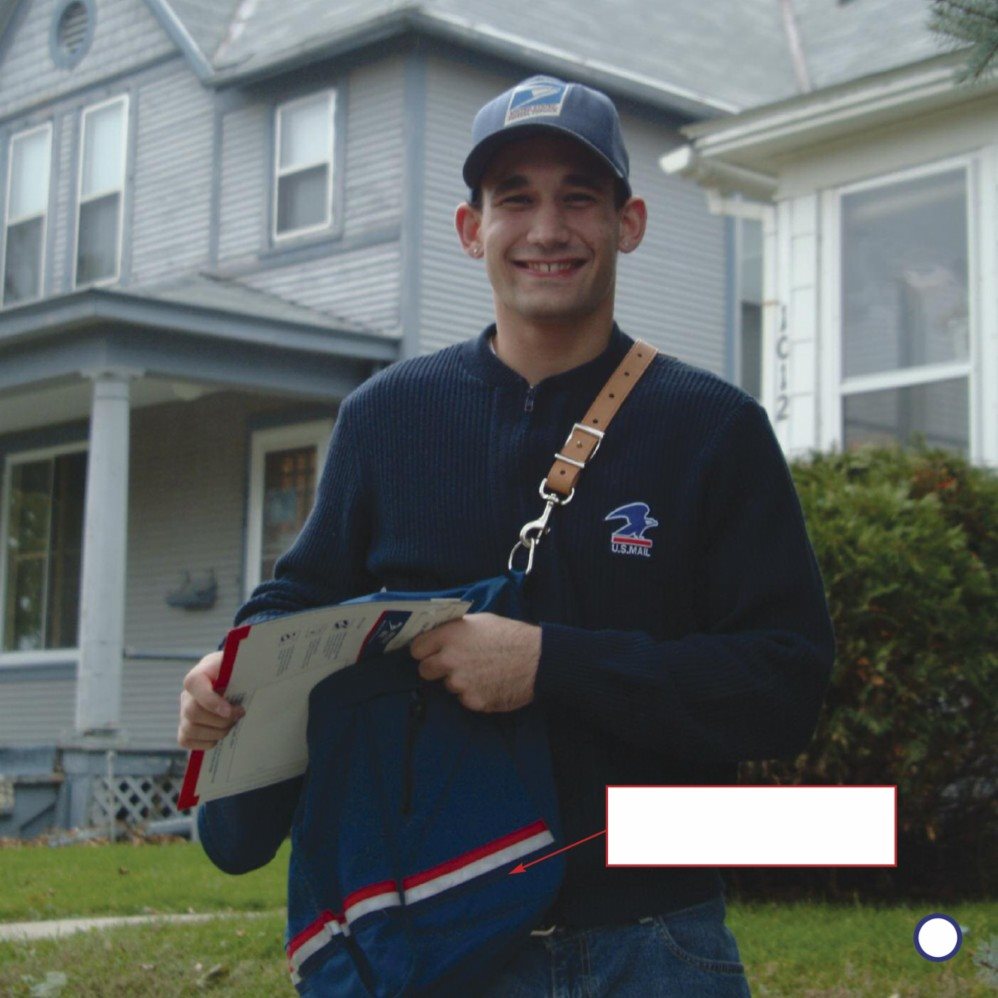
x: 562, y: 649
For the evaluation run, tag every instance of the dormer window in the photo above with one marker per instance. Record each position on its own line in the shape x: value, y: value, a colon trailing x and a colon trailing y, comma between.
x: 29, y: 167
x: 101, y: 192
x: 303, y: 161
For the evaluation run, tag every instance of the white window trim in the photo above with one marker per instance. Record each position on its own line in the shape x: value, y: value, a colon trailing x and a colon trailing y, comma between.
x: 317, y: 433
x: 11, y: 658
x: 44, y: 214
x: 93, y: 108
x: 328, y: 161
x: 836, y: 388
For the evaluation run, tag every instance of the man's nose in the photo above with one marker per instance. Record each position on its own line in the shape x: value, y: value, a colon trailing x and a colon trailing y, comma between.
x: 548, y: 226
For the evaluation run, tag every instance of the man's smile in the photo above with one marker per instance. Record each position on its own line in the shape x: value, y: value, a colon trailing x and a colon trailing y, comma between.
x: 549, y: 267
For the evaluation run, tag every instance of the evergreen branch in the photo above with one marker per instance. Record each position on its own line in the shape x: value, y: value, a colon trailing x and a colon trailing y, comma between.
x: 973, y: 22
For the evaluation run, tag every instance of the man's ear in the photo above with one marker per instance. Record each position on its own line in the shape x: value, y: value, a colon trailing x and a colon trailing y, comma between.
x: 633, y: 220
x: 468, y: 222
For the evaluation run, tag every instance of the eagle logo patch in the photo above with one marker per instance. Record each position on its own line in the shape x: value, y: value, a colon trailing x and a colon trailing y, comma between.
x: 629, y: 537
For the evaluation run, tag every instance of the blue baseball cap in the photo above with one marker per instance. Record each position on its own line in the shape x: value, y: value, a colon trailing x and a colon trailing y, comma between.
x: 547, y: 104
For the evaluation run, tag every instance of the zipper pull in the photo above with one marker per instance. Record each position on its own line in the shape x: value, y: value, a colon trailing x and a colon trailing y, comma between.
x: 528, y: 403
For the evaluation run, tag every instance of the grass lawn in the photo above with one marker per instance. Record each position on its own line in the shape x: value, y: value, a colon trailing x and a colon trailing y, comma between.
x: 792, y: 950
x: 40, y: 882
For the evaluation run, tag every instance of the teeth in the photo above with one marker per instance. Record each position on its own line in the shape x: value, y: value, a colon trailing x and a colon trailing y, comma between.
x: 550, y: 268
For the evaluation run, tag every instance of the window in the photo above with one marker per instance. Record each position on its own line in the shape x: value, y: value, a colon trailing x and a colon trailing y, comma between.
x: 101, y: 192
x: 42, y: 550
x: 29, y: 168
x: 905, y: 304
x: 285, y: 466
x: 303, y: 182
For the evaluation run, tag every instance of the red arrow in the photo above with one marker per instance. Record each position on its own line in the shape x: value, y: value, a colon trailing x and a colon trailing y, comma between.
x: 522, y: 868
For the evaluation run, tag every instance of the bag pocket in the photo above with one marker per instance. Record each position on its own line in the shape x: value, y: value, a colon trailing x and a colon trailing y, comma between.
x: 415, y: 809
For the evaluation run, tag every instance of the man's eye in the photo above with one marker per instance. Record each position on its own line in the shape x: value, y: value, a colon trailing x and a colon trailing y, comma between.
x: 515, y: 199
x: 580, y: 198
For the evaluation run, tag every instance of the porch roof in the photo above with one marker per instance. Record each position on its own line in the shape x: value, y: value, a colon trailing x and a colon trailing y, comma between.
x: 200, y: 328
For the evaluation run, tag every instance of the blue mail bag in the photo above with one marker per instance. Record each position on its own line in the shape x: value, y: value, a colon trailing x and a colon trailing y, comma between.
x: 413, y: 812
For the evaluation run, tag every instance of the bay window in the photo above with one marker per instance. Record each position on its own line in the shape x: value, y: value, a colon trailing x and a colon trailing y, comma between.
x: 42, y: 550
x: 101, y: 192
x: 28, y: 173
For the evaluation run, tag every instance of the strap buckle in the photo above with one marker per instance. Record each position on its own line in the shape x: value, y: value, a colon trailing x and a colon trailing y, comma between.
x: 593, y: 432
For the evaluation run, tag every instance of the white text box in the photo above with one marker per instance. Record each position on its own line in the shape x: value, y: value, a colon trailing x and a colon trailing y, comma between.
x: 751, y: 826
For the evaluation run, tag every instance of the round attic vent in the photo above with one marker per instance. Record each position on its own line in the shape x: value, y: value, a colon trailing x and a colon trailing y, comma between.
x: 72, y: 30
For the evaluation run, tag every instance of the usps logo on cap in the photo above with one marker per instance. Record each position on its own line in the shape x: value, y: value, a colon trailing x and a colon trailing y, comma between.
x: 533, y: 100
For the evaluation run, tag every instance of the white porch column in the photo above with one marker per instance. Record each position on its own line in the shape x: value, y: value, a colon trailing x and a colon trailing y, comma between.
x: 102, y: 583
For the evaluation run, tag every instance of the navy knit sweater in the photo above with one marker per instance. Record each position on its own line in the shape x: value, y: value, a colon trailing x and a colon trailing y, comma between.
x: 668, y: 664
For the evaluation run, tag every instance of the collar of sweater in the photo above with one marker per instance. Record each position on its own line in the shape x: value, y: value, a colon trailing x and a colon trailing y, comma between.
x: 481, y: 361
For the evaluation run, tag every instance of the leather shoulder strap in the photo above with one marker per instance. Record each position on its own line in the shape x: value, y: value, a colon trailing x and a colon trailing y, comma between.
x: 586, y: 436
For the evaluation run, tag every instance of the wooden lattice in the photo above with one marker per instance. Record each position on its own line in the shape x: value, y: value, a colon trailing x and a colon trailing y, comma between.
x: 133, y: 800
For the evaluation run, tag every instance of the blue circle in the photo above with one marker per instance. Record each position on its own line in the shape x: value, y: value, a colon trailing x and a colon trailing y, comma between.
x: 959, y: 938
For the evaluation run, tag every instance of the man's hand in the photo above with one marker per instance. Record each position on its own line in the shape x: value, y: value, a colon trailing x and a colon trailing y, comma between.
x: 488, y: 662
x: 205, y: 717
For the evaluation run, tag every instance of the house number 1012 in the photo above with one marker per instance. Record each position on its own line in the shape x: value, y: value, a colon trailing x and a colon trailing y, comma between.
x: 782, y: 368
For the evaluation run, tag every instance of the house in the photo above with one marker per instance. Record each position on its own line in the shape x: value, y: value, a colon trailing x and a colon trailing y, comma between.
x: 876, y: 189
x: 217, y: 219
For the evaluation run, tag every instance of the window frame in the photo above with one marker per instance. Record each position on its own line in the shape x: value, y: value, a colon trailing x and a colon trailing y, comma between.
x: 262, y: 442
x: 330, y: 221
x: 46, y: 127
x: 837, y: 388
x: 124, y: 101
x: 45, y: 655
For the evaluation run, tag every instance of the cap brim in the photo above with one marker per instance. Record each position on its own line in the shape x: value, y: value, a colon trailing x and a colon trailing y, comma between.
x: 478, y: 159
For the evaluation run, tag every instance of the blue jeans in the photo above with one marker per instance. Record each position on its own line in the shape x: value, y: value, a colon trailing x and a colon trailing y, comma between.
x: 685, y: 954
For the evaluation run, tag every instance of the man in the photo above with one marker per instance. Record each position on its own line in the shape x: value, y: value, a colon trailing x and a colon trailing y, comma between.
x: 654, y: 663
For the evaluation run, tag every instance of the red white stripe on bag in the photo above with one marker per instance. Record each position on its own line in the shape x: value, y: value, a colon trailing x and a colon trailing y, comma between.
x: 476, y: 863
x: 313, y: 938
x: 417, y: 887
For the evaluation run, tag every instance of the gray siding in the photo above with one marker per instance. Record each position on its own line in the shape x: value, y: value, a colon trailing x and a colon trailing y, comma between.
x: 456, y: 297
x: 168, y: 192
x: 173, y: 171
x: 187, y: 509
x: 36, y: 711
x: 245, y: 183
x: 127, y: 36
x: 357, y: 279
x: 359, y: 286
x: 373, y: 163
x: 62, y: 224
x: 186, y: 512
x: 150, y: 694
x: 375, y: 158
x: 670, y: 291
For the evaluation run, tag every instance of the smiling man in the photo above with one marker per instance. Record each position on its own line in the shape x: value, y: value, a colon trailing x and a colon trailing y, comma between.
x: 680, y: 622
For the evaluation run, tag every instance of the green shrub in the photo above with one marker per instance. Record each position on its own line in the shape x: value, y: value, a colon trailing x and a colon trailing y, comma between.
x: 908, y: 548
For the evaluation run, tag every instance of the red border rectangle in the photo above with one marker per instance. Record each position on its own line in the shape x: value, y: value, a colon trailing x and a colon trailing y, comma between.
x: 748, y: 866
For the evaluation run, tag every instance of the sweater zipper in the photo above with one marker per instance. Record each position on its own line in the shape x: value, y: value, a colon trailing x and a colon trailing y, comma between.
x: 528, y: 402
x: 417, y: 714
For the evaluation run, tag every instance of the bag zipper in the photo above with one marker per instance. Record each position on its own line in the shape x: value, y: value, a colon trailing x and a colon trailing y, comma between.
x: 417, y: 713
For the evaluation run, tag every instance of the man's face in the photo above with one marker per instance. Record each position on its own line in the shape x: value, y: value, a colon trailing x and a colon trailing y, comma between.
x: 550, y: 231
